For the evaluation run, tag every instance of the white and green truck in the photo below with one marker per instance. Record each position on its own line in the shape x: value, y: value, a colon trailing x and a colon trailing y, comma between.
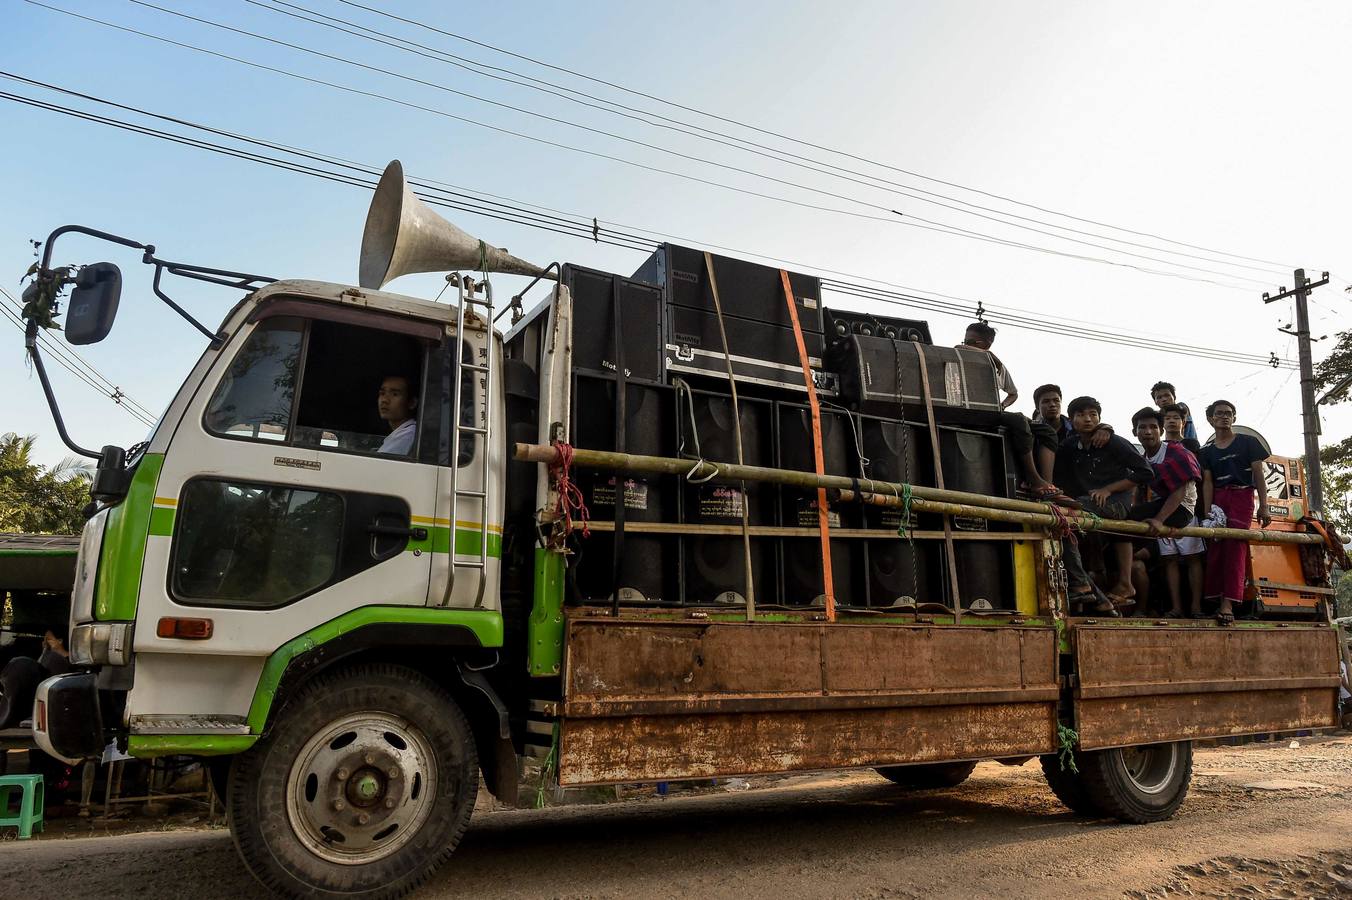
x: 352, y: 638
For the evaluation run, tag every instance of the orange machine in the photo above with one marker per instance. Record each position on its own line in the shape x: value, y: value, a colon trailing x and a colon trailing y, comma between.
x: 1278, y: 583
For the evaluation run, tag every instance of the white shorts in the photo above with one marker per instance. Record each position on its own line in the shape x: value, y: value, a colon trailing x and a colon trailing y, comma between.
x: 1182, y: 546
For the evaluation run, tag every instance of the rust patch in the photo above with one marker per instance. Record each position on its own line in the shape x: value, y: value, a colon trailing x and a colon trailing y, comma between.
x: 670, y: 700
x: 661, y: 748
x: 1144, y: 685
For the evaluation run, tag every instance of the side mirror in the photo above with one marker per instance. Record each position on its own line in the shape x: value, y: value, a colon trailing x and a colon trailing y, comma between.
x: 111, y: 479
x: 93, y: 303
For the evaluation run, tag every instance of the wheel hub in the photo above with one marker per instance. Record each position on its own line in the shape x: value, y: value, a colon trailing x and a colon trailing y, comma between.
x: 360, y: 788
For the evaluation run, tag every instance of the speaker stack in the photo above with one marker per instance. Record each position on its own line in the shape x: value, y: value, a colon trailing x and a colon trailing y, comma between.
x: 802, y: 557
x: 900, y: 572
x: 975, y: 462
x: 647, y: 563
x: 765, y: 359
x: 714, y: 566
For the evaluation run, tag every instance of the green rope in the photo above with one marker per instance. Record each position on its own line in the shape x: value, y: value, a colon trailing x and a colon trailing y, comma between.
x: 551, y: 764
x: 1067, y: 738
x: 904, y: 529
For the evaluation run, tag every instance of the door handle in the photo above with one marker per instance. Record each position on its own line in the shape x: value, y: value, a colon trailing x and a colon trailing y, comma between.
x: 416, y: 534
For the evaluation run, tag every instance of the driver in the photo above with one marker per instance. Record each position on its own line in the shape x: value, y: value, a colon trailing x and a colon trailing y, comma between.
x: 397, y: 402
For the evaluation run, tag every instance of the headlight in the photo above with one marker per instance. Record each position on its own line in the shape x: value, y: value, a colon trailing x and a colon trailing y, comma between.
x: 101, y: 644
x: 87, y: 568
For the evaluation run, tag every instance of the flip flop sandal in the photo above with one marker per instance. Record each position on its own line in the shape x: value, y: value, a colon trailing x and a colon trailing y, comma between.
x: 1225, y: 618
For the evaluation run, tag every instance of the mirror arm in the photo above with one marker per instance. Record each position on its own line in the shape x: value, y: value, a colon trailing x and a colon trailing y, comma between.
x: 216, y: 339
x: 31, y: 344
x: 92, y: 232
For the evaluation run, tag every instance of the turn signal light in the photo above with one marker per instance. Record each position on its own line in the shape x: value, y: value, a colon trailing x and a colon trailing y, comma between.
x: 184, y: 629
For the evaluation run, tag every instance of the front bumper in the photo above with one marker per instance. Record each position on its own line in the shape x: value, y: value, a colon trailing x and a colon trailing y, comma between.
x: 67, y: 721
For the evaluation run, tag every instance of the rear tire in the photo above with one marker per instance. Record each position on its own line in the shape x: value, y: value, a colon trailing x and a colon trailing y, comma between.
x: 929, y: 776
x: 362, y: 788
x: 1068, y: 786
x: 1138, y: 784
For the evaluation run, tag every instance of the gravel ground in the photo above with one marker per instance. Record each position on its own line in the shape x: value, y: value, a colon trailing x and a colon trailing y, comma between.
x: 1266, y: 820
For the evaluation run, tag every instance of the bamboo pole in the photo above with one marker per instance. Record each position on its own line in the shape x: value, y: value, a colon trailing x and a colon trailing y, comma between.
x: 923, y: 499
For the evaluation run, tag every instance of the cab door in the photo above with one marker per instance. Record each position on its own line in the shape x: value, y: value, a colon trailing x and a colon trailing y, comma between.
x: 281, y: 504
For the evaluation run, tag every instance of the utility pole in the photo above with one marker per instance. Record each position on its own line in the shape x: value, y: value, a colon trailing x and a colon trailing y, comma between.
x: 1309, y: 413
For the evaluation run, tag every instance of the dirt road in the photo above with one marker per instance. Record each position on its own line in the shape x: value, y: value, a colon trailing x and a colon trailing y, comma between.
x: 1262, y: 820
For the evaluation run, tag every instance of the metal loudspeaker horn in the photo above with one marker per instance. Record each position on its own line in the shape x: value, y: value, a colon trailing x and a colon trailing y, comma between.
x: 403, y: 236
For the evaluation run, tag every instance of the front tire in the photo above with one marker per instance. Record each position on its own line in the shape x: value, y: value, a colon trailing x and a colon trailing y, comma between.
x: 929, y: 776
x: 1138, y: 784
x: 362, y: 788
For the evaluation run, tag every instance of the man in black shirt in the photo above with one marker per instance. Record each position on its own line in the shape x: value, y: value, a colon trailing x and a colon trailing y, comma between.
x: 1103, y: 480
x: 1175, y: 424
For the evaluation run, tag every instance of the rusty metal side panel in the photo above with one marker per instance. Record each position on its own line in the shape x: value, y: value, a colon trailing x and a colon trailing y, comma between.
x: 1138, y: 685
x: 667, y: 700
x: 656, y: 748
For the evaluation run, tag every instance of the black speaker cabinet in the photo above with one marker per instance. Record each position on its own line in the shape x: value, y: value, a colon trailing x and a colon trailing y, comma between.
x: 975, y: 462
x: 594, y: 323
x: 763, y: 356
x: 899, y: 571
x: 802, y: 557
x: 881, y: 377
x: 715, y: 565
x: 746, y: 290
x: 648, y: 562
x: 842, y: 322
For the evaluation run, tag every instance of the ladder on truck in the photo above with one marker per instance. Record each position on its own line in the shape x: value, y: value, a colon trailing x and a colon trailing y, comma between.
x: 482, y: 381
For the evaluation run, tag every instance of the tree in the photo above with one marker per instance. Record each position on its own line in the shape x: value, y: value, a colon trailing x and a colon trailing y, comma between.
x: 1336, y: 459
x: 36, y: 499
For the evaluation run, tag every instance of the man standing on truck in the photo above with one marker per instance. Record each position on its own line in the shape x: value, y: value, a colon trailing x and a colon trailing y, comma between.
x: 1103, y: 480
x: 1172, y: 503
x: 1165, y: 394
x: 396, y: 403
x: 1232, y: 473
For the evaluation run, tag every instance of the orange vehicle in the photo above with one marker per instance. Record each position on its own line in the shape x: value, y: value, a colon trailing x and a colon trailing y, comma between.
x: 1280, y: 583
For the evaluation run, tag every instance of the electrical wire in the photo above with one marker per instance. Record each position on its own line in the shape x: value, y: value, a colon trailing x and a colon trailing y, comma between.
x: 80, y: 367
x: 14, y: 320
x: 900, y: 189
x: 577, y: 230
x: 910, y: 221
x: 675, y: 105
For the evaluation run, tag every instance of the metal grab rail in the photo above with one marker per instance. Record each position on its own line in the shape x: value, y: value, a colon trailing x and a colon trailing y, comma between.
x: 922, y: 499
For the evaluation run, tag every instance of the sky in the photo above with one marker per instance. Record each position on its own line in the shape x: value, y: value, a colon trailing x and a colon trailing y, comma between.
x: 1221, y: 125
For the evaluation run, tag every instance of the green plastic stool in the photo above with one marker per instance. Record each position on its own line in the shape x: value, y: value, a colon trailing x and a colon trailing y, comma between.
x: 30, y: 794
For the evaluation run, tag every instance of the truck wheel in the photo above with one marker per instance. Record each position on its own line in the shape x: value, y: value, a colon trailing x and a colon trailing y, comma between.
x: 1138, y: 784
x: 931, y: 775
x: 1068, y: 786
x: 363, y: 786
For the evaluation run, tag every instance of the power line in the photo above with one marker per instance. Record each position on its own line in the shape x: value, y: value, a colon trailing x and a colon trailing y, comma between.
x: 18, y: 323
x: 798, y: 141
x: 717, y: 137
x: 86, y: 371
x: 910, y: 221
x: 672, y: 152
x: 862, y: 290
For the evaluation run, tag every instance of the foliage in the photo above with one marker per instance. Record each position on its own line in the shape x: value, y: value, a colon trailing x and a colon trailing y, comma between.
x: 1336, y: 459
x: 36, y: 499
x: 39, y: 298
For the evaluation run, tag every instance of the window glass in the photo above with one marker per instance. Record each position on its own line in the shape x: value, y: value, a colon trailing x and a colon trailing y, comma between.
x: 254, y: 398
x: 253, y: 545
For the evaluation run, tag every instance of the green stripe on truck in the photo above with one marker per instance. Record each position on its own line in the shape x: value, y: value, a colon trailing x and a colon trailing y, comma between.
x: 118, y: 584
x: 485, y: 624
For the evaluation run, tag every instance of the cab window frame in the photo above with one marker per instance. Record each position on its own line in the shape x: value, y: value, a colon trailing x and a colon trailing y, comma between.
x: 431, y: 339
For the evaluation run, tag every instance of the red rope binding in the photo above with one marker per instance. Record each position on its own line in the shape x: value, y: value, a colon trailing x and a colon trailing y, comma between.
x: 570, y: 496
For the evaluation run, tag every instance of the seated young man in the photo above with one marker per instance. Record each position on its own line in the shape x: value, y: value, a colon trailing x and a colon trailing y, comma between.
x: 980, y: 336
x: 1103, y: 480
x: 1050, y: 428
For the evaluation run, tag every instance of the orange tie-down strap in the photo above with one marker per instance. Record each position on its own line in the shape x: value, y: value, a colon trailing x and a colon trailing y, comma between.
x: 823, y: 512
